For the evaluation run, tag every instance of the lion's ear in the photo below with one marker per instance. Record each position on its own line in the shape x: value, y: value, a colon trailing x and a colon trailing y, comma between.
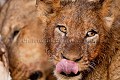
x: 109, y: 21
x: 53, y: 4
x: 47, y: 8
x: 104, y: 6
x: 106, y: 11
x: 112, y: 10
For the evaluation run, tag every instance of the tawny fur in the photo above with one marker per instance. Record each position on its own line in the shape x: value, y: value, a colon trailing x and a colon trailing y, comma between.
x: 78, y: 17
x: 27, y: 19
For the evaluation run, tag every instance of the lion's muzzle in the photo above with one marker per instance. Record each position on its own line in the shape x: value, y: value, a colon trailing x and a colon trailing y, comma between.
x: 67, y: 68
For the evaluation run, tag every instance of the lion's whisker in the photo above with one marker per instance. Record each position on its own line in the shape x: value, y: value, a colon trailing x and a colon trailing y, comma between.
x: 91, y: 66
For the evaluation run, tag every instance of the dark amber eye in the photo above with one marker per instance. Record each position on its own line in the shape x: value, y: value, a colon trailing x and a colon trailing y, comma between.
x: 62, y: 28
x: 91, y: 33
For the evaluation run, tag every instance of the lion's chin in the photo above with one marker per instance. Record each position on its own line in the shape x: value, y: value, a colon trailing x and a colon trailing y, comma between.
x: 67, y: 77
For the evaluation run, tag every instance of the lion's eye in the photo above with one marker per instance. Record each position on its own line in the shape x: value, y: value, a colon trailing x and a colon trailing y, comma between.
x: 91, y: 33
x: 62, y: 28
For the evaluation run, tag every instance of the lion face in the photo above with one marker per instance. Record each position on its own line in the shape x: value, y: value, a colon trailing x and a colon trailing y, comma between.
x: 27, y: 53
x: 76, y: 39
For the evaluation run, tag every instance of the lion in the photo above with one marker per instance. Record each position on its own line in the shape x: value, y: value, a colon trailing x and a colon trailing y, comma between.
x: 22, y: 24
x: 83, y: 41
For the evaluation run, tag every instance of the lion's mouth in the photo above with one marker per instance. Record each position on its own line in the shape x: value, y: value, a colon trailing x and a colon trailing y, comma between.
x: 67, y: 68
x: 71, y: 74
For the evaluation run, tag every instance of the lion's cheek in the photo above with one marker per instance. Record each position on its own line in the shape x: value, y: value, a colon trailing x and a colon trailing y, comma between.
x: 94, y: 54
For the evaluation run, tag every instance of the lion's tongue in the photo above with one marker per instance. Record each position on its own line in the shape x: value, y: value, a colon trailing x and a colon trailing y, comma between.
x: 67, y: 67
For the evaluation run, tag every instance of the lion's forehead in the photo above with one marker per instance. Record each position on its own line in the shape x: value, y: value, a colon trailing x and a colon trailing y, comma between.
x: 78, y: 22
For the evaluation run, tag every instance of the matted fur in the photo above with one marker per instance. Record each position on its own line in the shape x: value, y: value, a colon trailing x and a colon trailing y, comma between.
x: 80, y: 17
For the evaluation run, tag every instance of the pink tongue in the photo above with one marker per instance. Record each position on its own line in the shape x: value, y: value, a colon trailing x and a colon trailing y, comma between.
x: 67, y: 67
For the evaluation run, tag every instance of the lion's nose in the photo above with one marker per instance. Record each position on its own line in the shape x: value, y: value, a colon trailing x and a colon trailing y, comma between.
x: 36, y: 75
x: 75, y: 60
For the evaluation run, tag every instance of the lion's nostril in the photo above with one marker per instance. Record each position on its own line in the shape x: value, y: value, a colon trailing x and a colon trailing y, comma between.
x: 36, y: 75
x: 64, y: 56
x: 78, y: 59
